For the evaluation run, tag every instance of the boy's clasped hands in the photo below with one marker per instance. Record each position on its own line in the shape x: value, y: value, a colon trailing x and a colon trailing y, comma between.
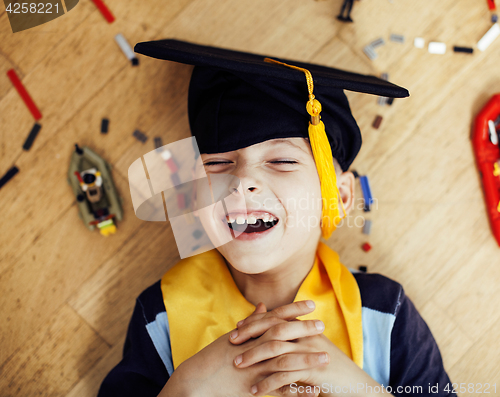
x: 271, y: 354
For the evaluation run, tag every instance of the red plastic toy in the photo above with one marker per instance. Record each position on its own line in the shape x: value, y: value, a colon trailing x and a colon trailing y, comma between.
x: 487, y: 152
x: 366, y: 247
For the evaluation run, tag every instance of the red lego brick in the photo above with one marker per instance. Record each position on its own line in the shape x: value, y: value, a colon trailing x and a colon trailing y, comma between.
x: 366, y: 247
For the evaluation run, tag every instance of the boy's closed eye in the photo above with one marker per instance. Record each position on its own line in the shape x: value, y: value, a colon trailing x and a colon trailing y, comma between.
x: 281, y: 164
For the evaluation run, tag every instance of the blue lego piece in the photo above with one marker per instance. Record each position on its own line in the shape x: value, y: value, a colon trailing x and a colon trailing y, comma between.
x: 367, y: 193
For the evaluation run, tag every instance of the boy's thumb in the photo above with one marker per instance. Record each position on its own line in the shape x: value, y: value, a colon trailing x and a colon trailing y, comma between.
x: 260, y: 308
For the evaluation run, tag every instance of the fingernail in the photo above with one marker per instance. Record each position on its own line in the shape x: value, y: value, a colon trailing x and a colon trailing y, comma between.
x: 310, y: 304
x: 319, y: 325
x: 323, y: 358
x: 234, y: 334
x: 239, y: 323
x: 254, y: 389
x: 238, y: 359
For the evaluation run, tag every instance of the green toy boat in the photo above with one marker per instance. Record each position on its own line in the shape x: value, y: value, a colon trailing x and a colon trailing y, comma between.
x: 98, y: 202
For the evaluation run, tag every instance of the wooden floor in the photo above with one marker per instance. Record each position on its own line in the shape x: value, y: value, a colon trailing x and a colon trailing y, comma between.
x: 67, y: 294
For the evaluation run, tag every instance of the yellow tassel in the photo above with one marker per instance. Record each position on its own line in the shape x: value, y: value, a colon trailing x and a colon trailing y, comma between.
x: 323, y: 158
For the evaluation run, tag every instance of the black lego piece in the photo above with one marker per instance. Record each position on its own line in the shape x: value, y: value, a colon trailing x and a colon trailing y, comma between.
x: 8, y: 176
x: 31, y: 137
x: 363, y: 269
x: 104, y: 126
x: 140, y: 136
x: 135, y: 62
x: 355, y: 173
x: 467, y: 50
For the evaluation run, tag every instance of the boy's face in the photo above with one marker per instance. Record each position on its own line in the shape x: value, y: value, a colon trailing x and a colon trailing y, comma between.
x: 279, y: 185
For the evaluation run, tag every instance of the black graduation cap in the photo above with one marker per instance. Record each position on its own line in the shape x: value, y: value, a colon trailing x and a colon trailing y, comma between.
x: 237, y: 99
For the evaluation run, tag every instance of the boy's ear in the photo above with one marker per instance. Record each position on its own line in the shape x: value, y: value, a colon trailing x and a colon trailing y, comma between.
x: 346, y: 183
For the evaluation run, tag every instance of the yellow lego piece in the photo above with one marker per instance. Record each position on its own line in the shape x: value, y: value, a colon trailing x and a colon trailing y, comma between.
x: 106, y: 231
x: 496, y: 170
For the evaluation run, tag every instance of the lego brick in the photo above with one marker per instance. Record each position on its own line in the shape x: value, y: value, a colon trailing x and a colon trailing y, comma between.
x: 494, y: 18
x: 181, y: 201
x: 8, y: 176
x: 376, y: 123
x: 355, y: 173
x: 127, y: 50
x: 397, y: 38
x: 367, y: 193
x: 31, y: 137
x: 197, y: 234
x: 493, y: 132
x: 104, y: 126
x: 467, y: 50
x: 169, y: 160
x: 363, y: 269
x: 419, y: 42
x: 436, y: 47
x: 491, y: 5
x: 390, y: 101
x: 158, y: 142
x: 106, y: 13
x: 175, y: 180
x: 382, y: 100
x: 370, y: 52
x: 489, y: 37
x: 140, y: 136
x: 366, y: 247
x: 377, y: 43
x: 18, y: 85
x: 367, y: 227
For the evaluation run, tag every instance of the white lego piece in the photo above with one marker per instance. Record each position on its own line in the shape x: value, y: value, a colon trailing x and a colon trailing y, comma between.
x: 419, y: 42
x: 166, y: 154
x: 370, y: 52
x: 489, y: 37
x: 493, y: 132
x: 397, y: 38
x: 436, y: 47
x: 125, y: 46
x: 367, y: 227
x: 377, y: 43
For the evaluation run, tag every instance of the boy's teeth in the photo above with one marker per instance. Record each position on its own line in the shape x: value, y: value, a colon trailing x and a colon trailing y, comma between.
x: 250, y: 219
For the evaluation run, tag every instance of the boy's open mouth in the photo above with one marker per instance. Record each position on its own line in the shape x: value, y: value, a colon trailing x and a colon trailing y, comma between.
x: 251, y: 223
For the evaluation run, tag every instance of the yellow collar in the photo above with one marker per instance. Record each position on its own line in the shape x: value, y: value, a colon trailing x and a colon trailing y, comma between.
x: 203, y: 303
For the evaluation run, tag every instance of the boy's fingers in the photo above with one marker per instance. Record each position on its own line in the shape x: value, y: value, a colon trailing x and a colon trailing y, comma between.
x: 291, y: 330
x: 280, y: 382
x: 286, y: 391
x: 292, y: 310
x: 286, y: 312
x: 259, y: 309
x: 272, y: 350
x: 253, y: 329
x: 277, y: 329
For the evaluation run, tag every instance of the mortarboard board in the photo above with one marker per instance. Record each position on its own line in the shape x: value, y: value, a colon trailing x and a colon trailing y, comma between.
x: 237, y: 99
